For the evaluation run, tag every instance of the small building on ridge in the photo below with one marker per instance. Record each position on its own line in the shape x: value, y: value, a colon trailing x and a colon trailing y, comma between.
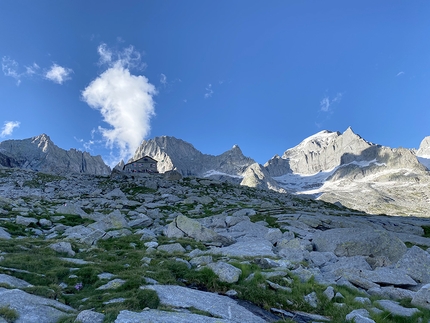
x: 145, y: 164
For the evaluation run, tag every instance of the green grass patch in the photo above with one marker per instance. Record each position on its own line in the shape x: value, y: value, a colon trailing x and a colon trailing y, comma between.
x: 271, y: 221
x: 73, y: 220
x: 9, y: 314
x: 426, y: 229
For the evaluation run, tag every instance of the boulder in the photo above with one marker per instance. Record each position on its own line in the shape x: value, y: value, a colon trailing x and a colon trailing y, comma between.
x: 88, y: 316
x: 222, y: 307
x: 171, y: 248
x: 360, y: 242
x: 4, y: 234
x: 157, y: 316
x: 416, y: 263
x: 22, y: 220
x: 396, y: 309
x: 422, y: 297
x: 193, y: 229
x: 359, y: 316
x: 13, y: 281
x: 32, y: 308
x: 69, y: 208
x: 63, y: 246
x: 225, y: 272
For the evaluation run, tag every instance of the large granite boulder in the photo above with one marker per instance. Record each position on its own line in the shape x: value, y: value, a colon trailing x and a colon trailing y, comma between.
x: 183, y: 226
x: 422, y: 297
x: 416, y: 263
x: 360, y: 242
x: 32, y: 308
x: 219, y: 306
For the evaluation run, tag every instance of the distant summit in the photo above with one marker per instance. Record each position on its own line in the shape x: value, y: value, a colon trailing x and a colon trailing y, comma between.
x: 39, y: 153
x: 172, y: 153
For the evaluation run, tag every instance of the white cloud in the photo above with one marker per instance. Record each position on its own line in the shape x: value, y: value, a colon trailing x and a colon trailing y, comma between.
x: 128, y: 57
x: 163, y: 79
x: 326, y: 104
x: 124, y: 100
x: 10, y: 68
x: 58, y: 74
x: 209, y: 91
x: 8, y: 128
x: 400, y: 73
x: 30, y: 70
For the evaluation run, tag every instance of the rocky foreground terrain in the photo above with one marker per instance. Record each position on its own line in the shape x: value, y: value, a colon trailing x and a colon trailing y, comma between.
x: 162, y: 248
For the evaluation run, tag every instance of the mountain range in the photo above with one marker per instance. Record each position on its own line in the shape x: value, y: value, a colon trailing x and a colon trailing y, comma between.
x: 335, y: 167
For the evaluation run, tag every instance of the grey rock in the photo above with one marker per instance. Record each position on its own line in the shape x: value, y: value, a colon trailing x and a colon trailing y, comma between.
x: 392, y: 292
x: 250, y: 248
x: 329, y: 293
x: 276, y: 286
x: 422, y: 297
x: 105, y: 276
x: 171, y: 248
x: 13, y: 281
x: 320, y: 259
x: 32, y: 308
x: 184, y: 226
x: 63, y: 246
x: 273, y: 235
x: 388, y: 276
x: 113, y: 284
x: 300, y: 317
x: 244, y: 212
x: 45, y: 223
x: 4, y: 234
x: 360, y: 242
x: 416, y: 263
x: 362, y: 300
x: 88, y: 316
x: 312, y: 299
x: 359, y: 316
x: 396, y: 309
x: 114, y: 220
x: 257, y: 176
x: 217, y: 305
x: 157, y: 316
x: 22, y: 220
x: 69, y: 208
x: 225, y: 272
x: 141, y: 221
x: 201, y: 261
x: 115, y: 193
x: 76, y: 261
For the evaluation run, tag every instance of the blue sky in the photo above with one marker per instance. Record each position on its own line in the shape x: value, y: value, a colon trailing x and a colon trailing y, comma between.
x: 102, y: 76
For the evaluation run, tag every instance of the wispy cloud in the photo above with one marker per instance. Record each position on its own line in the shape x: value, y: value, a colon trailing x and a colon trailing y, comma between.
x: 58, y: 74
x: 10, y: 67
x: 400, y: 73
x: 209, y: 91
x: 124, y: 100
x: 326, y: 104
x: 8, y: 128
x: 163, y: 79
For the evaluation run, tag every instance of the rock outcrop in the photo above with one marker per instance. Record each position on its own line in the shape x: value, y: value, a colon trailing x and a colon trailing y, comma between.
x: 41, y: 154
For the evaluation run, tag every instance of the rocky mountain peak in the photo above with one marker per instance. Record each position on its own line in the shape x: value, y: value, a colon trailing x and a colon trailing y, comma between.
x: 39, y: 153
x: 323, y: 151
x: 172, y: 153
x: 424, y: 149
